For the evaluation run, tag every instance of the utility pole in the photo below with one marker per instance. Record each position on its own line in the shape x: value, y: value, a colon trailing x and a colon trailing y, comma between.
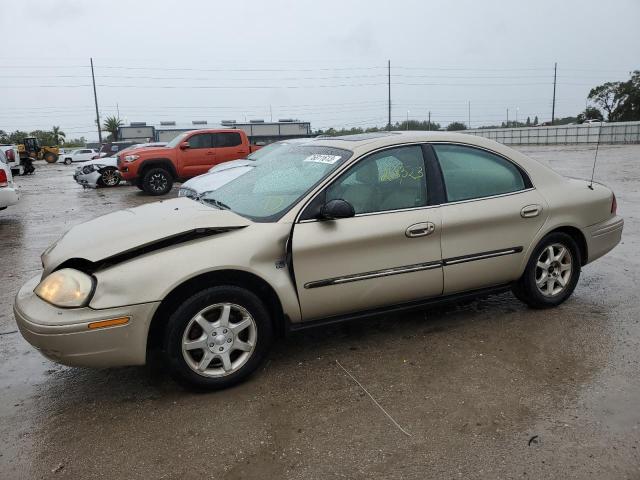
x: 95, y: 98
x: 553, y: 108
x: 407, y: 120
x: 507, y: 118
x: 429, y: 123
x: 270, y: 114
x: 469, y: 122
x: 389, y: 88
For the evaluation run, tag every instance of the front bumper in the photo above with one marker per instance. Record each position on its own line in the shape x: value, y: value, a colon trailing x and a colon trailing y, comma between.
x: 603, y: 237
x: 8, y: 196
x: 87, y: 179
x: 63, y: 335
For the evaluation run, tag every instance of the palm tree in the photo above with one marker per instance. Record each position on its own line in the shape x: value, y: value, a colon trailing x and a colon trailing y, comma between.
x: 58, y: 135
x: 111, y: 125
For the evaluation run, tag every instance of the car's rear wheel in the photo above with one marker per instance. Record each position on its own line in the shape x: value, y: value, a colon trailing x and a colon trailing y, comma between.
x: 552, y: 272
x: 217, y: 337
x: 67, y: 161
x: 109, y: 177
x: 157, y: 181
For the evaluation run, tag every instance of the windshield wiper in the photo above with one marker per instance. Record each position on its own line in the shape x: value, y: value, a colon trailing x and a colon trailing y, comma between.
x: 216, y: 203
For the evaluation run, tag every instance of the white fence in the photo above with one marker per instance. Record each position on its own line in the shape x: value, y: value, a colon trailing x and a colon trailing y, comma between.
x: 620, y: 132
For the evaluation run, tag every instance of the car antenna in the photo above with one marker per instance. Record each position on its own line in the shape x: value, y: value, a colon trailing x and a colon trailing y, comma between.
x: 593, y: 170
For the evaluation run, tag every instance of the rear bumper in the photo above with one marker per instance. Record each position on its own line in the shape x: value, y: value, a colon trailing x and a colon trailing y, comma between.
x: 63, y: 336
x: 603, y: 237
x: 8, y: 196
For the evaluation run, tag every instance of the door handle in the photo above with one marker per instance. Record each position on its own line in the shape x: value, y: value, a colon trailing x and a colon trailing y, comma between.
x: 530, y: 211
x: 420, y: 229
x: 211, y: 153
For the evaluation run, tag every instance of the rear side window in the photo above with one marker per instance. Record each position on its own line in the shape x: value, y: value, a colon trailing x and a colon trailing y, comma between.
x: 200, y: 140
x: 227, y: 139
x: 473, y: 173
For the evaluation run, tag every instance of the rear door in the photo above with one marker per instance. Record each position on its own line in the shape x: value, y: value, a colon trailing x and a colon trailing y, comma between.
x: 388, y: 253
x: 491, y: 215
x: 229, y: 146
x: 199, y: 157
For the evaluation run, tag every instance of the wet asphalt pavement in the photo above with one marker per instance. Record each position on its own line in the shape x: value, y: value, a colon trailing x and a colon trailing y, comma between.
x: 489, y: 389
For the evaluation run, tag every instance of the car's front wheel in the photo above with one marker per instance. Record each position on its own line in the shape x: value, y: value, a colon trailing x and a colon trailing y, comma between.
x: 157, y: 181
x: 67, y: 161
x: 217, y: 337
x: 109, y: 177
x: 552, y: 272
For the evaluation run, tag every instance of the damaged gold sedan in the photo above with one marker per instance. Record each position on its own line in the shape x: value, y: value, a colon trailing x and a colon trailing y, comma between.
x: 318, y: 232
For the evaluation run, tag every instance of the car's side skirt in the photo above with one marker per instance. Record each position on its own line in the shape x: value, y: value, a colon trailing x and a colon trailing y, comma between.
x: 415, y: 305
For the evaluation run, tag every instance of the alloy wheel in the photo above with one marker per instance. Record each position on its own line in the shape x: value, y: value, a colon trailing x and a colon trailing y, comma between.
x: 219, y: 340
x: 110, y: 177
x: 158, y: 182
x: 553, y: 269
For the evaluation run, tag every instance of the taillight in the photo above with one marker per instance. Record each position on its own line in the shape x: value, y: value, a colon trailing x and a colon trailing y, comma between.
x: 10, y: 155
x: 614, y: 205
x: 3, y: 178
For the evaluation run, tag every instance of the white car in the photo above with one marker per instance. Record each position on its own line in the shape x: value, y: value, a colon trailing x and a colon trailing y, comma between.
x: 8, y: 192
x: 103, y: 172
x: 79, y: 155
x: 220, y: 174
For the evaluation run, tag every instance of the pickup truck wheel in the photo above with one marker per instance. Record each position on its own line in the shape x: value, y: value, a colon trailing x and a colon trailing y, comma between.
x: 217, y: 338
x: 67, y: 161
x: 552, y: 272
x: 109, y: 177
x: 157, y: 181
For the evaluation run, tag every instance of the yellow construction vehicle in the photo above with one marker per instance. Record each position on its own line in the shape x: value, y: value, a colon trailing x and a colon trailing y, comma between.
x: 32, y: 149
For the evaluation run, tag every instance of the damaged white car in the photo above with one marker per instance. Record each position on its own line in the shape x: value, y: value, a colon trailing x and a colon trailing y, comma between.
x: 103, y: 172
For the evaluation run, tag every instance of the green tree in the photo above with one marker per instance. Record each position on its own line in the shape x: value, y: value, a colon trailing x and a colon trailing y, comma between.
x: 535, y: 120
x: 607, y: 97
x: 629, y: 99
x: 456, y: 126
x: 111, y: 125
x: 58, y: 135
x: 528, y: 122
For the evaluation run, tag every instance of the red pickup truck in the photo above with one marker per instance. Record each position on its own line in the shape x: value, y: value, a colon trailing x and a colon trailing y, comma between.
x: 192, y: 153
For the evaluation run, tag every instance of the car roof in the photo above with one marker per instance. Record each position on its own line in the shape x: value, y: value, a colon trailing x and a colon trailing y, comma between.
x: 371, y: 141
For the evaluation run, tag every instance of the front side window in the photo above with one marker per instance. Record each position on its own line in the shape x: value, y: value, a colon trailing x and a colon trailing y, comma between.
x: 227, y: 139
x: 277, y: 182
x: 200, y: 140
x: 393, y: 179
x: 473, y: 173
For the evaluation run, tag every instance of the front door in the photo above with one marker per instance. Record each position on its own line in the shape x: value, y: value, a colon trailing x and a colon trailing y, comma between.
x: 200, y: 155
x: 491, y: 215
x: 387, y: 254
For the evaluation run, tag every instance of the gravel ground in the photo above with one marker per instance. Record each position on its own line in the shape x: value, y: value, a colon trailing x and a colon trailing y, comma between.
x: 489, y: 389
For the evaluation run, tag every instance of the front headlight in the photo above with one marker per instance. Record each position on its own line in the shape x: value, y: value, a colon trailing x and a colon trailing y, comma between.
x: 131, y: 158
x: 187, y: 192
x: 66, y: 288
x: 91, y: 168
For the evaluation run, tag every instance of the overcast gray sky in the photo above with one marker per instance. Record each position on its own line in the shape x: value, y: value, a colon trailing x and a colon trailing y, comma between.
x: 321, y: 61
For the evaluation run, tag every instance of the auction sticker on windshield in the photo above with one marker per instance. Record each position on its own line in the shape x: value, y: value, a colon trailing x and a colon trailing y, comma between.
x: 318, y: 158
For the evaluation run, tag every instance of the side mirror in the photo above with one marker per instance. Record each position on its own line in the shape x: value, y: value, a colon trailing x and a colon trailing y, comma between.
x: 337, y: 208
x: 184, y: 145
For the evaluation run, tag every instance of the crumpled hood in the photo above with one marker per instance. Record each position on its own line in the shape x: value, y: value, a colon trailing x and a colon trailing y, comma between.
x: 127, y: 230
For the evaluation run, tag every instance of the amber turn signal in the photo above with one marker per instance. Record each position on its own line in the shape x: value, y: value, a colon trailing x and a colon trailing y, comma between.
x: 109, y: 323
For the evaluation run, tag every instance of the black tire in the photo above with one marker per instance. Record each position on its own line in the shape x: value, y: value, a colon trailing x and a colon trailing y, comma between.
x: 526, y: 288
x: 109, y: 177
x: 180, y: 319
x: 67, y: 161
x: 157, y: 181
x: 50, y: 157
